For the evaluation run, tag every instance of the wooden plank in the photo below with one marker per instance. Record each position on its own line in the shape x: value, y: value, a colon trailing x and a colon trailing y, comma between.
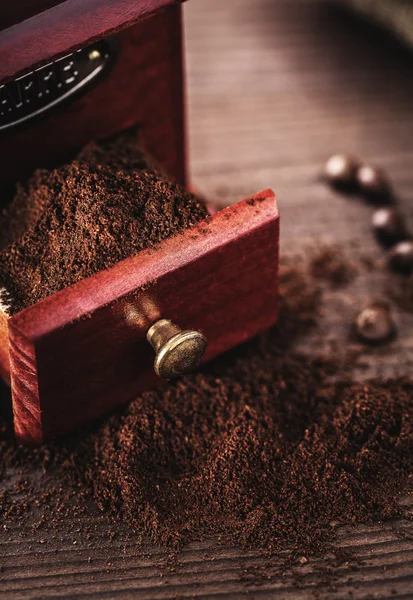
x: 119, y: 568
x: 274, y: 87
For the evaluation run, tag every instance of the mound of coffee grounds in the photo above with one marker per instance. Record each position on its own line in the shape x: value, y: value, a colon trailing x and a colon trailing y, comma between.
x: 265, y: 446
x: 264, y: 450
x: 69, y: 223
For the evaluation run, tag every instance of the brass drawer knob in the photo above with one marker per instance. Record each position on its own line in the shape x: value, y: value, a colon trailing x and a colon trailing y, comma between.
x: 177, y: 351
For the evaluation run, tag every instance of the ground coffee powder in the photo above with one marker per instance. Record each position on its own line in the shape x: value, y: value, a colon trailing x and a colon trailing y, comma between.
x: 327, y: 264
x: 66, y: 224
x: 265, y: 446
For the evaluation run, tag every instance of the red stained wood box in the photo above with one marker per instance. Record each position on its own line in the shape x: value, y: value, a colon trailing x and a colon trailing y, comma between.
x: 77, y: 70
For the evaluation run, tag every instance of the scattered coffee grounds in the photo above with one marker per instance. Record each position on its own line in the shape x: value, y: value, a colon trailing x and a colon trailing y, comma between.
x: 265, y: 446
x: 264, y: 449
x: 328, y: 263
x: 69, y: 223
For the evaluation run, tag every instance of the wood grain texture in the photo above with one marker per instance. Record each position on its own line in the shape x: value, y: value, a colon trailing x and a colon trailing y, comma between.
x: 143, y: 89
x: 86, y: 345
x: 69, y: 26
x: 4, y: 348
x: 73, y: 566
x: 274, y: 87
x: 13, y: 13
x: 27, y: 410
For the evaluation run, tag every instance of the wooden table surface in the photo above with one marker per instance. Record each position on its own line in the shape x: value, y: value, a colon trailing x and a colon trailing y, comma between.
x: 275, y: 86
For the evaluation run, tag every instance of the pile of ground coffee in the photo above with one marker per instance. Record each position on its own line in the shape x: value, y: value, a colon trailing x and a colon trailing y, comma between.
x: 264, y: 449
x: 81, y: 218
x: 267, y: 447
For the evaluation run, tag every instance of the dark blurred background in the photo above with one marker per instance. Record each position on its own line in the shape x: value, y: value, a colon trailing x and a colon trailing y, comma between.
x: 276, y: 86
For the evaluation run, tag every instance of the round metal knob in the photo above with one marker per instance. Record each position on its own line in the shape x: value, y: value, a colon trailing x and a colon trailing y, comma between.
x: 177, y: 351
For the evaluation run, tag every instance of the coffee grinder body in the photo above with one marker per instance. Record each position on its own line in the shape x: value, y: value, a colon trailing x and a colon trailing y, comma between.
x: 83, y: 70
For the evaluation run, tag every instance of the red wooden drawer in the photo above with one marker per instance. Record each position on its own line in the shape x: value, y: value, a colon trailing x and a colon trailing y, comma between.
x: 82, y: 351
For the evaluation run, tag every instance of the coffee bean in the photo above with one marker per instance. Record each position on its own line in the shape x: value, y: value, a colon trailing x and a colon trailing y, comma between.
x: 373, y: 183
x: 400, y: 257
x: 375, y: 324
x: 340, y: 170
x: 388, y: 226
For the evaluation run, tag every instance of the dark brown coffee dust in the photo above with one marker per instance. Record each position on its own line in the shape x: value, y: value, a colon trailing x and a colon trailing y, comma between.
x: 328, y: 263
x: 267, y: 447
x: 81, y: 218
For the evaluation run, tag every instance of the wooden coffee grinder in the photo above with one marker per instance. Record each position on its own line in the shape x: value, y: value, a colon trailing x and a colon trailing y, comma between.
x: 76, y: 70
